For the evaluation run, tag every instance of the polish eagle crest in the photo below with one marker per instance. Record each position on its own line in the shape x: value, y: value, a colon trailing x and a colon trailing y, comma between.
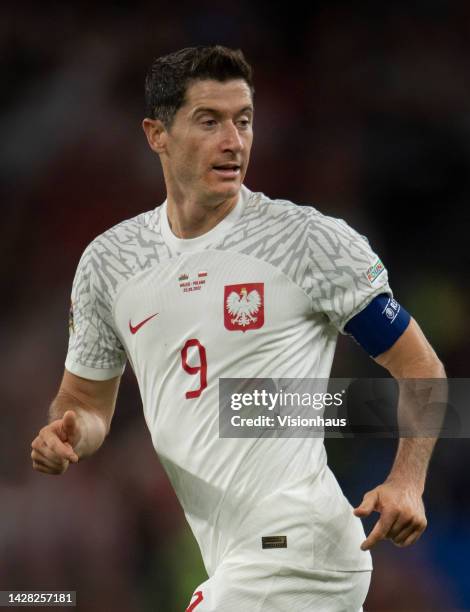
x: 243, y: 307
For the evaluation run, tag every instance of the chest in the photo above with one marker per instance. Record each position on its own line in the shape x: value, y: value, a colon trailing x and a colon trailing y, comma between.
x: 223, y: 295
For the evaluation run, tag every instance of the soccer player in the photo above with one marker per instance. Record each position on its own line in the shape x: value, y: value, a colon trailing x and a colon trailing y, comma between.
x: 222, y: 282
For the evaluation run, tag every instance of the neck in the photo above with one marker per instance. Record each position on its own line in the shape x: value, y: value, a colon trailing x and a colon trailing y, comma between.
x: 190, y: 217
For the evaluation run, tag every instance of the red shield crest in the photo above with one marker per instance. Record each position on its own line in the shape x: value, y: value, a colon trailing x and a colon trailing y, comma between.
x: 244, y: 306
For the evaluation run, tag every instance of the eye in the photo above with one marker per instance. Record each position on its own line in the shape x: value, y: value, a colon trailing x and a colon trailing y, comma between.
x: 209, y: 122
x: 244, y: 123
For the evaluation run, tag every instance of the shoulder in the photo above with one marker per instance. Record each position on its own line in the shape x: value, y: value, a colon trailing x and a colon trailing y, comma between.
x: 122, y: 251
x: 303, y: 218
x: 260, y: 204
x: 129, y: 242
x: 125, y: 234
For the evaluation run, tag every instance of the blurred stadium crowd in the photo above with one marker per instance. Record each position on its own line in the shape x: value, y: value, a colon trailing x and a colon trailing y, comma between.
x: 362, y: 109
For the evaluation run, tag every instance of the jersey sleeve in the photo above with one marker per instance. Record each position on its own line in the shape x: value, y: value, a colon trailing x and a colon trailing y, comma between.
x: 344, y: 273
x: 95, y: 351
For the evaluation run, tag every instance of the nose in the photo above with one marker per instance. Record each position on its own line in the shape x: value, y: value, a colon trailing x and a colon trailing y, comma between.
x: 231, y: 138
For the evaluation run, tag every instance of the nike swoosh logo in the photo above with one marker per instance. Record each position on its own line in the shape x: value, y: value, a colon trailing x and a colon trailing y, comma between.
x: 135, y: 329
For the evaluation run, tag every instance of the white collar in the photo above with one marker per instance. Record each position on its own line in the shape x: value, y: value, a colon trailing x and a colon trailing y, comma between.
x: 185, y: 245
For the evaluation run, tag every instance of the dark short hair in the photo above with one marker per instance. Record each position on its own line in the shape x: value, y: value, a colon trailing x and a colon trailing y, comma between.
x: 169, y: 76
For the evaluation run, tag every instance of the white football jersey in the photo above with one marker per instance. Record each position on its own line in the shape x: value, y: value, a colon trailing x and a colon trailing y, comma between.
x: 263, y: 294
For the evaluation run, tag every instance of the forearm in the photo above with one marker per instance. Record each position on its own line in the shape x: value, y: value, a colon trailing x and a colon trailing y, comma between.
x: 412, y: 461
x: 92, y: 425
x: 422, y: 401
x: 421, y: 409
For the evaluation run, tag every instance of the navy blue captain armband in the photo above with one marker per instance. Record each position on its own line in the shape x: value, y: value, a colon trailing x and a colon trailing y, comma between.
x: 379, y: 325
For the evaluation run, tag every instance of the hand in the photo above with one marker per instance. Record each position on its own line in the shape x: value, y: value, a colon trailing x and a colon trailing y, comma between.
x: 402, y: 518
x: 53, y: 448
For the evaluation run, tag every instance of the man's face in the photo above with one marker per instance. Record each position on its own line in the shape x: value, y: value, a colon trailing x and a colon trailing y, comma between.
x: 207, y: 148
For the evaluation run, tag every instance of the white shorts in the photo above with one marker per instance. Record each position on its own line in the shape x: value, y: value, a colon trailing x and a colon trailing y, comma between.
x: 275, y: 588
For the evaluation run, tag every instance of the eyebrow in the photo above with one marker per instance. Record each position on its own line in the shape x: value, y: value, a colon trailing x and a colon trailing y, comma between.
x: 213, y: 111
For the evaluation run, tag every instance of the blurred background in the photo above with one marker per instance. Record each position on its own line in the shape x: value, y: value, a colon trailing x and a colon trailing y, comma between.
x: 362, y: 109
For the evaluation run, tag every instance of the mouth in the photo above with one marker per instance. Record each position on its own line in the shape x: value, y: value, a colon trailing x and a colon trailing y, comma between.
x: 229, y: 170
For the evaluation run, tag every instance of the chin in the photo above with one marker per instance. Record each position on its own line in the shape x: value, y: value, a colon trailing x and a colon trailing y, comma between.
x: 232, y: 190
x: 217, y: 188
x: 226, y: 191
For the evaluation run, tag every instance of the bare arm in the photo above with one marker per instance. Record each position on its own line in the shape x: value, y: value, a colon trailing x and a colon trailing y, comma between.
x: 79, y: 420
x: 399, y: 498
x: 412, y: 357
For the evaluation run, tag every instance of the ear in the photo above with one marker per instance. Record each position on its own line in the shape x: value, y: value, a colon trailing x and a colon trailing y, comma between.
x: 156, y: 134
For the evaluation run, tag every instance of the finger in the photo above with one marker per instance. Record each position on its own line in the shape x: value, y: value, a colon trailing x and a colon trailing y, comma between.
x: 412, y: 533
x: 41, y: 466
x: 62, y: 449
x: 45, y: 461
x: 49, y: 456
x: 379, y: 532
x: 45, y: 470
x: 69, y: 424
x: 402, y: 523
x: 411, y: 539
x: 56, y: 428
x: 40, y: 444
x: 401, y: 537
x: 46, y: 456
x: 368, y: 504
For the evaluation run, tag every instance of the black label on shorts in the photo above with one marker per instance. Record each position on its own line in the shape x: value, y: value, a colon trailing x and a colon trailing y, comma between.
x: 274, y: 541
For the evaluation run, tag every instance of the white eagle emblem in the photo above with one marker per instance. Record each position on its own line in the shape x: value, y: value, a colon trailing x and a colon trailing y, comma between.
x: 243, y: 307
